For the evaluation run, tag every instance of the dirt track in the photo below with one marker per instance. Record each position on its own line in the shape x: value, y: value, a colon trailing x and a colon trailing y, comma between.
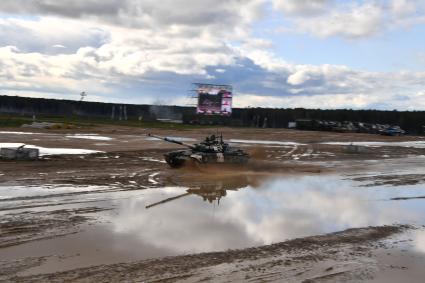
x: 129, y: 151
x: 131, y: 162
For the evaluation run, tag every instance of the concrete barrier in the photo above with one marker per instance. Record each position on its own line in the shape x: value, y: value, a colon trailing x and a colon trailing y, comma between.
x: 20, y: 153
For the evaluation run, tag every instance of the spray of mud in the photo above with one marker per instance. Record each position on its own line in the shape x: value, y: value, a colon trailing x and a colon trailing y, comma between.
x: 257, y: 152
x: 213, y: 181
x: 233, y: 176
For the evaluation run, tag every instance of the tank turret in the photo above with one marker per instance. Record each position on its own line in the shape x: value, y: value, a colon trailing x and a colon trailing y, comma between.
x: 211, y: 150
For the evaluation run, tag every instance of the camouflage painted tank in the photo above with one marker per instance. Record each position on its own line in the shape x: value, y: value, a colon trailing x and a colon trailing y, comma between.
x: 211, y: 150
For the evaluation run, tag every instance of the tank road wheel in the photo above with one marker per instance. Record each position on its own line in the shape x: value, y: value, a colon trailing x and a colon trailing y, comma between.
x: 174, y: 162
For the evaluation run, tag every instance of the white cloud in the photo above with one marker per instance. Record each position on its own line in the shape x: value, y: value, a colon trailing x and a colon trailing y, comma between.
x: 299, y: 77
x: 403, y: 7
x: 358, y: 21
x: 331, y: 101
x: 222, y: 16
x: 65, y: 50
x: 126, y: 53
x: 46, y: 34
x: 141, y: 62
x: 297, y: 7
x: 350, y: 19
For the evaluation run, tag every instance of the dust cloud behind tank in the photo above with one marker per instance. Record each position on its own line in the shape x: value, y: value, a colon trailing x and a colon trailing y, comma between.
x: 211, y: 150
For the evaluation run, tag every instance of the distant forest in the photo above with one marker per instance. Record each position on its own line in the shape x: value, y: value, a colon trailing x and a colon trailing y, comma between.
x: 411, y: 121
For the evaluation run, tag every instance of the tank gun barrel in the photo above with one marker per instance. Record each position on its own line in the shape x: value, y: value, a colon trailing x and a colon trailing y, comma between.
x: 172, y: 141
x: 166, y: 200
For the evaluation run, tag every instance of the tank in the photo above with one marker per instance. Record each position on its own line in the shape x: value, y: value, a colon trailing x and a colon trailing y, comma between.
x: 211, y: 150
x: 210, y: 192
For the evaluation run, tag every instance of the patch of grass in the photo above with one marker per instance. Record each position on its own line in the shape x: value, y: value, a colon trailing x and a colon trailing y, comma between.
x: 93, y: 121
x: 17, y: 121
x: 7, y: 121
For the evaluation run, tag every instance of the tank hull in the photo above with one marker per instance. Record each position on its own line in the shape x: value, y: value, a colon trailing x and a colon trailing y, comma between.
x: 179, y: 158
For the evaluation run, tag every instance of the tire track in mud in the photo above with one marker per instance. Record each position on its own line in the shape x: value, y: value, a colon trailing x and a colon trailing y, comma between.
x: 289, y: 153
x: 23, y: 227
x: 342, y: 256
x: 30, y: 224
x: 92, y: 189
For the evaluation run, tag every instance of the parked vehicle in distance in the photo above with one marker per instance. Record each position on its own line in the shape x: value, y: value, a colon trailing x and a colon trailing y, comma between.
x: 393, y: 131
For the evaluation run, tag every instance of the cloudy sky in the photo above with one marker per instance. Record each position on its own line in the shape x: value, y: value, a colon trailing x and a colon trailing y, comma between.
x: 276, y: 53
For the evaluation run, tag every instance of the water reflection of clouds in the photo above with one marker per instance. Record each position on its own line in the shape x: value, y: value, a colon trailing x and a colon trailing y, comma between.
x: 280, y: 209
x: 419, y: 241
x: 297, y: 207
x: 184, y: 225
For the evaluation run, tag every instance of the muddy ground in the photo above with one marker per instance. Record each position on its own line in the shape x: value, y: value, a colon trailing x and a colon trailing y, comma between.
x: 343, y: 256
x: 129, y: 161
x: 130, y: 155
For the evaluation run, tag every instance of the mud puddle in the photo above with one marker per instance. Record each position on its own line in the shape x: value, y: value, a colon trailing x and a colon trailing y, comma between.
x: 264, y: 142
x: 112, y: 225
x: 414, y: 144
x: 402, y: 259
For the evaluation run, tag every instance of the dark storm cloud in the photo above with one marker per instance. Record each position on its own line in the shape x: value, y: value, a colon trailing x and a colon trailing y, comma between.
x: 244, y: 76
x: 248, y: 77
x: 138, y: 13
x: 75, y: 8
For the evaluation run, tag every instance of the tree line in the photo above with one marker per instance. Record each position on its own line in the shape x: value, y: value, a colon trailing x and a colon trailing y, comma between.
x: 411, y: 121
